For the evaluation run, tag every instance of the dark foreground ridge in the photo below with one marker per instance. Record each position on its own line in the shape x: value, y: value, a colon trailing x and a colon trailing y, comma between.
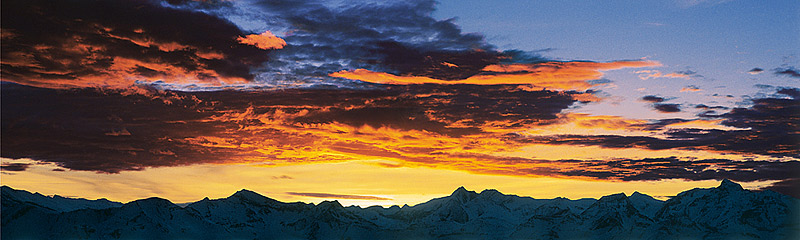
x: 725, y: 212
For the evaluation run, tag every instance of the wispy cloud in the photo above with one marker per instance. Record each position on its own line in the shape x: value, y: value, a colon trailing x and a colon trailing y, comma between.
x: 692, y: 3
x: 338, y: 196
x: 767, y: 128
x: 787, y: 71
x: 691, y: 88
x: 650, y: 74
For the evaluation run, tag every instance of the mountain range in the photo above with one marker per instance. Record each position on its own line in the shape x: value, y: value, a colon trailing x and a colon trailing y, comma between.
x: 724, y: 212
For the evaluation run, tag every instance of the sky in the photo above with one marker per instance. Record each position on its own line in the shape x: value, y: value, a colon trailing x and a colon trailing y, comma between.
x: 392, y: 103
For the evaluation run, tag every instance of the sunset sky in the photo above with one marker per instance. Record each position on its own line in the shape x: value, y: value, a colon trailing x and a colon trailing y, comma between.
x: 398, y: 102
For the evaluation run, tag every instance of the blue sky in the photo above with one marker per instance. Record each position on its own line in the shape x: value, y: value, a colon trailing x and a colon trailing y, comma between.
x: 642, y: 95
x: 719, y: 40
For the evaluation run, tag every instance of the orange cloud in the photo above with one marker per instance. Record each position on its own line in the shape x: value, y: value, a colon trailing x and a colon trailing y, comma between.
x: 265, y: 40
x: 118, y: 52
x: 276, y: 139
x: 557, y: 75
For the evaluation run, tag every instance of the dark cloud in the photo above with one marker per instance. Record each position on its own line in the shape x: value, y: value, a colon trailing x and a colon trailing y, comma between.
x: 650, y: 169
x: 413, y: 107
x: 703, y: 106
x: 652, y: 99
x: 789, y: 187
x: 398, y: 37
x: 111, y: 43
x: 676, y: 168
x: 755, y: 71
x: 788, y: 71
x: 338, y: 196
x: 14, y: 167
x: 447, y: 65
x: 71, y: 128
x: 769, y: 127
x: 667, y: 107
x: 115, y: 130
x: 791, y: 92
x: 764, y: 86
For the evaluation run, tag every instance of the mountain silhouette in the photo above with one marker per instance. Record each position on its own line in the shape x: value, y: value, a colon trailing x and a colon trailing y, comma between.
x: 724, y: 212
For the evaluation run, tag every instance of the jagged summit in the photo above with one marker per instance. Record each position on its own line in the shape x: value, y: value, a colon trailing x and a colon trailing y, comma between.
x: 459, y: 190
x: 247, y: 194
x: 490, y: 191
x: 464, y: 214
x: 614, y: 197
x: 330, y: 204
x: 463, y: 195
x: 730, y: 185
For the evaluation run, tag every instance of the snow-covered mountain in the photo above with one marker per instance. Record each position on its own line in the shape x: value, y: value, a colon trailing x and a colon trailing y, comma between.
x: 724, y: 212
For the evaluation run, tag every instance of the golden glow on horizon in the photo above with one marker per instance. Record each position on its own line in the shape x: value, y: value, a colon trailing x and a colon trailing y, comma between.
x: 404, y: 185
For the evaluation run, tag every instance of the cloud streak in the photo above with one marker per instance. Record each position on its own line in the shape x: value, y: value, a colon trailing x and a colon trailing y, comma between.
x: 553, y: 75
x: 338, y: 196
x: 787, y: 71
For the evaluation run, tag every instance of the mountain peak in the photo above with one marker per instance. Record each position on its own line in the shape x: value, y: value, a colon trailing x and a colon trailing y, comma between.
x: 491, y: 192
x: 613, y: 197
x: 245, y: 194
x: 459, y: 190
x: 156, y: 202
x: 330, y: 204
x: 463, y: 195
x: 730, y: 185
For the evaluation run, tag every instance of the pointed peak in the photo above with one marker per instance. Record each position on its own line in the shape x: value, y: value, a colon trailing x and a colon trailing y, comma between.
x: 614, y: 197
x: 460, y: 190
x: 730, y: 185
x: 638, y: 195
x: 463, y: 195
x: 247, y: 194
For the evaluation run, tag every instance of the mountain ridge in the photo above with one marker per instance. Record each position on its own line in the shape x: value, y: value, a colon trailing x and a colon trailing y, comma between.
x: 726, y: 211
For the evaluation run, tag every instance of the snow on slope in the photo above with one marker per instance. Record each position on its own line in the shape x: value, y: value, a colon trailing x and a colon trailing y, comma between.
x: 724, y: 212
